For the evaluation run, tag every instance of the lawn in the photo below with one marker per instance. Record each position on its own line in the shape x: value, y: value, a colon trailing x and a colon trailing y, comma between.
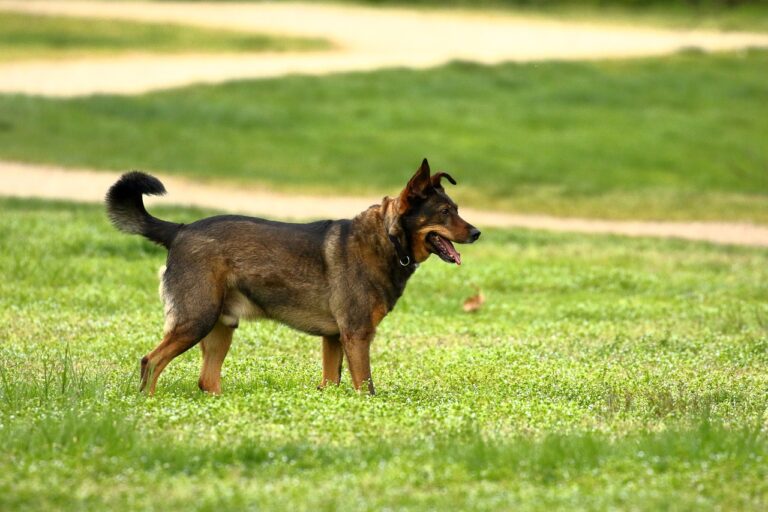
x: 602, y: 372
x: 685, y: 14
x: 28, y: 36
x: 681, y: 137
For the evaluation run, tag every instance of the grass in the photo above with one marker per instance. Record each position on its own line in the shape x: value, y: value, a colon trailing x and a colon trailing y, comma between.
x: 27, y: 36
x: 746, y: 17
x: 681, y: 137
x: 602, y: 373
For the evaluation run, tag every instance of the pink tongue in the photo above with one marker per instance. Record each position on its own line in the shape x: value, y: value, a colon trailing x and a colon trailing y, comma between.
x: 451, y: 250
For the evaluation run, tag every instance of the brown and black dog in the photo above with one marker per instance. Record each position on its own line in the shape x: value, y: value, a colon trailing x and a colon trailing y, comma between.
x: 335, y: 279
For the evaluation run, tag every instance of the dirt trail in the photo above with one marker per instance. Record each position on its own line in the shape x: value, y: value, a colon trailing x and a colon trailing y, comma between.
x: 365, y: 38
x: 25, y: 180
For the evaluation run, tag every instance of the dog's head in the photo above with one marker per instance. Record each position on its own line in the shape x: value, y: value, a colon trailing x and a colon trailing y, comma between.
x: 428, y: 220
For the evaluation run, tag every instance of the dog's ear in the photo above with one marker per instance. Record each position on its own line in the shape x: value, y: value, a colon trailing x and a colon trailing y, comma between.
x: 417, y: 188
x: 392, y: 219
x: 435, y: 179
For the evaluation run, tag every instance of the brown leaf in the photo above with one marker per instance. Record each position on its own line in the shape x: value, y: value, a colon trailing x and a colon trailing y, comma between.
x: 474, y: 303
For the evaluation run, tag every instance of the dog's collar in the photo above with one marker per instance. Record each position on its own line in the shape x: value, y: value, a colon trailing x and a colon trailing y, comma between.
x: 403, y: 258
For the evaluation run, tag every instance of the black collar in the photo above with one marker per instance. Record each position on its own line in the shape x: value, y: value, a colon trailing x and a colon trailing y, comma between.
x: 403, y: 258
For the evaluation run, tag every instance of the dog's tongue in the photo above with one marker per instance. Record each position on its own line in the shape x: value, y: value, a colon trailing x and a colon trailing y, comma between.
x: 450, y: 249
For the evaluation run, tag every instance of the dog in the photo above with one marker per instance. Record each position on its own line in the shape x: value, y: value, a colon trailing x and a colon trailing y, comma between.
x: 333, y: 278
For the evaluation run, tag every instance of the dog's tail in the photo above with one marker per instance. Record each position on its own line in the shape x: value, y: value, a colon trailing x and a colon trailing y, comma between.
x: 125, y: 208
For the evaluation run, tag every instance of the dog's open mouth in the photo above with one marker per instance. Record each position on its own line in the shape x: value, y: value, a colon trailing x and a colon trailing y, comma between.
x: 443, y: 248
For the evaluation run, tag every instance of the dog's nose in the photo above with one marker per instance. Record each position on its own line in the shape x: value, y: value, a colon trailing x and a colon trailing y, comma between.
x: 474, y: 234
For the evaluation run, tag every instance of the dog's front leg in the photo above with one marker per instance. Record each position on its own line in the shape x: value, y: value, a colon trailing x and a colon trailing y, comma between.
x: 332, y: 358
x: 357, y: 347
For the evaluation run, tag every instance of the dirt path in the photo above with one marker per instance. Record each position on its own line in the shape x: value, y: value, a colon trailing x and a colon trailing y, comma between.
x: 365, y: 39
x: 24, y: 180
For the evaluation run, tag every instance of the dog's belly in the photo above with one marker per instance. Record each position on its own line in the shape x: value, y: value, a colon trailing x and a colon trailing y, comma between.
x: 305, y: 320
x: 303, y: 313
x: 236, y: 307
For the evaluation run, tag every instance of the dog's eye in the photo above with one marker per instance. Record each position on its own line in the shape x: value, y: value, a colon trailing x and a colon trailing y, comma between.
x: 446, y: 211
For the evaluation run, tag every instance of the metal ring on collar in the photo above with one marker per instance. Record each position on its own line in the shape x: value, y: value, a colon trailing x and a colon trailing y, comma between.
x: 405, y: 261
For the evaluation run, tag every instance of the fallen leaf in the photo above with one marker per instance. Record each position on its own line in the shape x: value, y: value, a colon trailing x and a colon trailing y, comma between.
x: 474, y: 303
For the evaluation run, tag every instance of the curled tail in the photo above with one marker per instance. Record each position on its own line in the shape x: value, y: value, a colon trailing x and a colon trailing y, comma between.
x: 125, y: 208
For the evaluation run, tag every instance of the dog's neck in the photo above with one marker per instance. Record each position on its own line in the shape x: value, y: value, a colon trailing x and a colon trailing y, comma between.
x: 372, y: 230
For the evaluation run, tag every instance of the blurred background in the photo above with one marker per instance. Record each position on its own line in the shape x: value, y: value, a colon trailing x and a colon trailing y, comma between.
x: 611, y: 109
x: 623, y: 109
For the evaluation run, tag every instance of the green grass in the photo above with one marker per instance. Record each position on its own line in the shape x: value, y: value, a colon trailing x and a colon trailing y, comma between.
x: 753, y: 18
x: 27, y: 36
x: 680, y: 137
x: 602, y: 373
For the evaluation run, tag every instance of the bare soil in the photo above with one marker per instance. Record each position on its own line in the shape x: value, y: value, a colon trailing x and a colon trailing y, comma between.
x: 364, y: 38
x: 25, y: 180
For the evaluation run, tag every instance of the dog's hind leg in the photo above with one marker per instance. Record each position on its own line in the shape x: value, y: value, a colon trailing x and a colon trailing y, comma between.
x: 192, y: 312
x: 333, y: 354
x: 215, y: 347
x: 152, y: 365
x: 175, y: 342
x: 193, y: 293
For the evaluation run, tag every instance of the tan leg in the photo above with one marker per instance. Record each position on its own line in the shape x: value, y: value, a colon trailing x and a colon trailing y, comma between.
x: 358, y: 358
x: 333, y: 355
x: 215, y: 347
x: 153, y: 364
